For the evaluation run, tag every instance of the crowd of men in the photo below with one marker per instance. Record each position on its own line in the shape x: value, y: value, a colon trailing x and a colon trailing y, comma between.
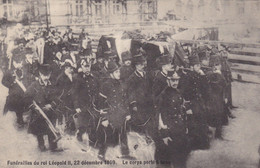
x: 178, y: 108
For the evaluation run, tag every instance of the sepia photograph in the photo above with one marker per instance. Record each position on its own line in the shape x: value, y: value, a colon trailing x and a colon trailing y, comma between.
x: 130, y: 83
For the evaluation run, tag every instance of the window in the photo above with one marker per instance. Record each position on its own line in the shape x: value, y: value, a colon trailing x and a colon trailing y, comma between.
x: 98, y: 8
x: 79, y: 8
x: 8, y: 8
x: 116, y: 7
x: 89, y: 11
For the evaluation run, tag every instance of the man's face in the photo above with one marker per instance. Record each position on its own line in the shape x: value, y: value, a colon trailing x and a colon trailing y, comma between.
x: 140, y: 67
x: 218, y: 67
x: 69, y: 70
x: 196, y: 67
x: 45, y: 78
x: 116, y: 74
x: 173, y: 83
x: 128, y: 62
x: 86, y: 68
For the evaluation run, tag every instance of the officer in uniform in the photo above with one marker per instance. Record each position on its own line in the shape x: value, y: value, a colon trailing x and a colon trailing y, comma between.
x: 195, y: 89
x: 112, y: 98
x: 172, y: 144
x: 159, y: 82
x: 86, y: 90
x: 43, y: 93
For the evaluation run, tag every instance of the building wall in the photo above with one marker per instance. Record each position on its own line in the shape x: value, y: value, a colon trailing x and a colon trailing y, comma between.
x: 102, y: 12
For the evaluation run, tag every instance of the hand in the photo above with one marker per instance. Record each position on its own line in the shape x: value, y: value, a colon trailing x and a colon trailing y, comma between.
x: 162, y: 126
x: 47, y: 107
x: 105, y: 123
x: 134, y: 108
x: 78, y: 110
x: 201, y: 72
x: 128, y: 118
x: 166, y: 140
x: 189, y: 112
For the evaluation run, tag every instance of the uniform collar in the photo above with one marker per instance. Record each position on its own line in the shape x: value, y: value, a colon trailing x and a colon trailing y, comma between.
x: 139, y: 74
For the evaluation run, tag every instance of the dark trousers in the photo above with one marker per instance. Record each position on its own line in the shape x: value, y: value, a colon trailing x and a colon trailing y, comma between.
x: 51, y: 138
x: 122, y: 137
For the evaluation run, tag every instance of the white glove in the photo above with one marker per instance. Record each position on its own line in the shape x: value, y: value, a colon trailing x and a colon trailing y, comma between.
x: 189, y: 112
x: 78, y: 110
x: 47, y: 107
x: 166, y: 140
x: 105, y: 123
x: 201, y: 72
x: 128, y: 118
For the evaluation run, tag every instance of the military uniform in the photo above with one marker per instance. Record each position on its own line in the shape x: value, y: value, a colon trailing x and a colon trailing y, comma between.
x: 113, y: 97
x: 194, y: 88
x: 86, y: 90
x: 173, y: 115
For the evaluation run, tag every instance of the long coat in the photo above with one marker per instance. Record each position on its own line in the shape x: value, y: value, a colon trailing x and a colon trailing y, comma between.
x: 66, y: 89
x: 15, y: 98
x: 173, y: 115
x: 42, y: 95
x: 140, y: 95
x: 114, y: 96
x: 195, y: 88
x: 159, y: 84
x: 216, y: 102
x: 86, y: 90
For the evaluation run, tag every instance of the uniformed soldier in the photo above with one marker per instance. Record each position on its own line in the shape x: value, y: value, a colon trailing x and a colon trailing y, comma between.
x: 172, y: 144
x: 43, y: 93
x: 86, y: 90
x: 112, y: 96
x: 159, y: 82
x: 194, y: 88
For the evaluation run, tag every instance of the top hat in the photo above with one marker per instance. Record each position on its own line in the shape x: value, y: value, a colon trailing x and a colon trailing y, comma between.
x: 164, y: 60
x: 45, y: 69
